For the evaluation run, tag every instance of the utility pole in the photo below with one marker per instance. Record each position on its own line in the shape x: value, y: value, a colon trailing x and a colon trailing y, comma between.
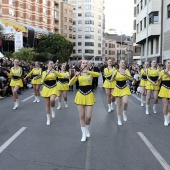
x: 147, y: 24
x: 162, y: 23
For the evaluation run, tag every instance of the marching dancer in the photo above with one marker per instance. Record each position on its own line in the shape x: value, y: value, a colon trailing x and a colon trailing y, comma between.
x: 121, y: 91
x: 16, y: 81
x: 62, y: 86
x: 84, y: 97
x: 49, y: 91
x: 165, y: 91
x: 36, y: 81
x: 109, y: 84
x: 143, y: 81
x: 153, y: 84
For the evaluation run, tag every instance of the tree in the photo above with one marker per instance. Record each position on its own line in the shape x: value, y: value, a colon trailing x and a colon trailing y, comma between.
x: 26, y: 54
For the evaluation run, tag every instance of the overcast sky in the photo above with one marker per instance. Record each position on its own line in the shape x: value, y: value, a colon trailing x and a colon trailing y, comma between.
x: 119, y: 15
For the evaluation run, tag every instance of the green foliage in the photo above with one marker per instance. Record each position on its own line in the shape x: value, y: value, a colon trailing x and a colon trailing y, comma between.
x: 26, y: 54
x: 7, y: 54
x: 54, y: 47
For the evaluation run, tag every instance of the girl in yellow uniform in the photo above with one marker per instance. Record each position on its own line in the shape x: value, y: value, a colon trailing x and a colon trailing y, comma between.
x: 152, y: 85
x: 121, y: 91
x: 84, y: 97
x: 62, y: 86
x: 16, y: 81
x: 143, y: 81
x: 36, y: 81
x: 49, y: 90
x: 165, y: 91
x: 109, y: 84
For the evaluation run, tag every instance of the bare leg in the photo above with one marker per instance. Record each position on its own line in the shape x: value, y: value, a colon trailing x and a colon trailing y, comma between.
x: 148, y: 97
x: 155, y: 101
x: 108, y: 94
x: 119, y: 108
x: 165, y: 112
x: 125, y: 105
x: 65, y: 98
x: 47, y: 101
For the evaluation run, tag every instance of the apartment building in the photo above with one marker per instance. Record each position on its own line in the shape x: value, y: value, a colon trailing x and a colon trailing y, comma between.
x: 88, y: 29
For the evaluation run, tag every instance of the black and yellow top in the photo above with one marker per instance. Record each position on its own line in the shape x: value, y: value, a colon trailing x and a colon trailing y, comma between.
x: 143, y: 78
x: 63, y: 81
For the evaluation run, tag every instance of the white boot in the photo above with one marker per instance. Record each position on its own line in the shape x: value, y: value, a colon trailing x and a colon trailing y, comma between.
x: 147, y: 109
x: 15, y: 107
x: 59, y: 106
x: 83, y: 129
x: 38, y: 99
x: 109, y: 108
x: 65, y: 103
x: 17, y: 103
x: 142, y: 102
x: 35, y: 100
x: 154, y: 108
x: 87, y: 131
x: 48, y: 119
x: 52, y: 112
x: 124, y: 116
x: 112, y: 106
x: 168, y: 117
x: 166, y: 121
x: 119, y: 120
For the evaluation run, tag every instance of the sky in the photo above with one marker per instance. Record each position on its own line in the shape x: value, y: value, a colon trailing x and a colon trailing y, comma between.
x: 119, y: 15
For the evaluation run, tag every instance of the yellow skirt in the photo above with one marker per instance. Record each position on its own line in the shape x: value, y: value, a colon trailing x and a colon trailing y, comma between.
x: 47, y: 92
x: 87, y: 100
x: 36, y: 81
x: 62, y: 87
x: 164, y: 92
x: 121, y: 92
x: 109, y: 85
x: 143, y: 83
x: 14, y: 83
x: 150, y: 86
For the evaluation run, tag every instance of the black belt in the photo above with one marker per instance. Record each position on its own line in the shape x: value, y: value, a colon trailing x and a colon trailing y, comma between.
x: 121, y: 84
x: 36, y: 77
x: 15, y: 78
x: 85, y: 89
x: 109, y: 78
x: 144, y: 77
x: 62, y: 80
x: 154, y: 79
x: 166, y: 84
x: 50, y: 83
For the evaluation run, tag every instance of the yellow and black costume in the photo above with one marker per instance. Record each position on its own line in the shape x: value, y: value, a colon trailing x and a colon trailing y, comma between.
x: 84, y: 95
x: 36, y: 74
x: 165, y: 85
x: 121, y: 88
x: 50, y: 84
x: 62, y: 84
x: 15, y: 76
x: 143, y: 78
x: 109, y: 82
x: 152, y: 77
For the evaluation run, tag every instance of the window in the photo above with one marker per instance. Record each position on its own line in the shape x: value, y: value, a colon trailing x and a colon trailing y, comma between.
x: 89, y: 36
x: 89, y: 43
x: 79, y: 21
x: 79, y: 43
x: 157, y: 45
x: 65, y: 27
x: 89, y: 51
x: 79, y: 14
x: 137, y: 9
x: 168, y: 10
x: 141, y: 4
x: 89, y: 22
x: 105, y: 51
x: 99, y: 45
x: 137, y: 28
x: 79, y: 36
x: 21, y: 15
x: 99, y: 51
x: 153, y: 17
x: 21, y: 5
x: 79, y: 29
x: 79, y: 51
x: 65, y: 19
x: 152, y: 46
x: 145, y: 22
x: 89, y: 29
x: 74, y: 37
x: 89, y: 7
x: 89, y: 14
x: 141, y: 25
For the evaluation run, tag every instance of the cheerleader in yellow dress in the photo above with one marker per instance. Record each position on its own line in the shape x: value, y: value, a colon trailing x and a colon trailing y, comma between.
x: 152, y: 85
x: 84, y: 97
x: 62, y: 86
x: 164, y: 92
x: 109, y: 85
x: 36, y: 81
x: 121, y: 91
x: 49, y: 90
x: 143, y: 81
x: 16, y: 81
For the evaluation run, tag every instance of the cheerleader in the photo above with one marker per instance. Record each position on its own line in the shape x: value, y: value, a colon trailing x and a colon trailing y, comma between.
x: 49, y: 91
x: 109, y: 84
x: 84, y: 97
x: 165, y: 91
x: 36, y: 81
x: 16, y: 81
x: 121, y: 91
x: 152, y: 85
x: 143, y: 82
x: 62, y: 86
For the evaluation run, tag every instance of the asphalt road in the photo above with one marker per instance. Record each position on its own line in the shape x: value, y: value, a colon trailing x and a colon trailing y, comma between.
x: 27, y: 143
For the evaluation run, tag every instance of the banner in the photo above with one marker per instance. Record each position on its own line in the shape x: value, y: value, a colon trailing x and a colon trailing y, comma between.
x: 18, y: 41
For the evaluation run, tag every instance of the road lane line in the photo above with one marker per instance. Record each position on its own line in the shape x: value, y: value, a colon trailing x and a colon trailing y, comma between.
x: 88, y: 155
x: 161, y: 160
x: 138, y: 98
x: 9, y: 141
x: 27, y: 98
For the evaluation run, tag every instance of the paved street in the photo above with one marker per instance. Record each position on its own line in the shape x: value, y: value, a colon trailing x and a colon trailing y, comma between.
x: 58, y: 146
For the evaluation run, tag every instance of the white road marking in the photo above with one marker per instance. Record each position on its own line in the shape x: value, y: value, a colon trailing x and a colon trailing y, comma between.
x: 9, y: 141
x: 27, y: 98
x: 161, y: 160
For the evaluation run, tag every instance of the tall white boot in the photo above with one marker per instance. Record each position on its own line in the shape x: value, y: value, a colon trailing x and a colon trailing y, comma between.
x: 87, y: 131
x: 166, y: 121
x: 48, y: 119
x: 112, y: 106
x: 147, y: 109
x: 119, y: 122
x: 14, y: 106
x: 66, y: 104
x: 109, y: 107
x: 59, y: 106
x: 17, y: 103
x: 38, y: 99
x: 52, y: 112
x: 35, y: 100
x: 168, y: 117
x: 154, y: 108
x: 142, y: 101
x: 124, y: 116
x: 83, y: 129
